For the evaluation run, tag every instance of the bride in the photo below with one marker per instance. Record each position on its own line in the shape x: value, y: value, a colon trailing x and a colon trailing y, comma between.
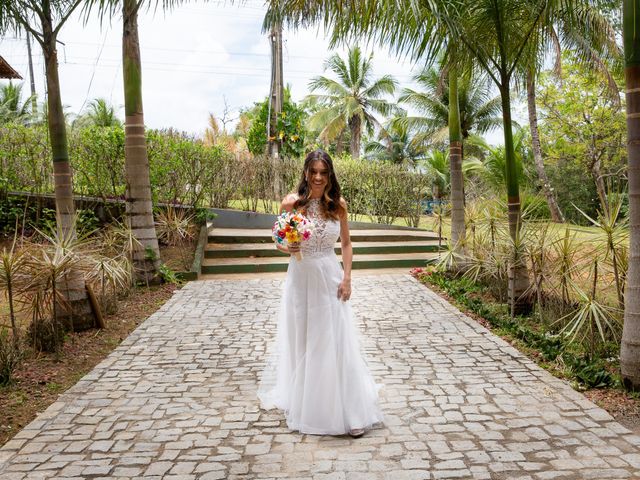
x: 315, y: 372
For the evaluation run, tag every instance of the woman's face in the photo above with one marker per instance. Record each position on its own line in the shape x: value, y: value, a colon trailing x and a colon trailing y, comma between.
x: 318, y: 177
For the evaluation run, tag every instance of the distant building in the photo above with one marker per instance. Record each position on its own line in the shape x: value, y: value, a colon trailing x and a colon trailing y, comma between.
x: 6, y: 71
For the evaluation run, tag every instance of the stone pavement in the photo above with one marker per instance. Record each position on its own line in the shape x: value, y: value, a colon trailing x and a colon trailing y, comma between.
x: 178, y: 400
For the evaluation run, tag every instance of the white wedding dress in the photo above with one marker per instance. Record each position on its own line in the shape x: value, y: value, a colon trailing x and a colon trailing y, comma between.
x: 315, y: 372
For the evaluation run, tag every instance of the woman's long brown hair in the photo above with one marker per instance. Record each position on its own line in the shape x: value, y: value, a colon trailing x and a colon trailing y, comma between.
x: 330, y: 200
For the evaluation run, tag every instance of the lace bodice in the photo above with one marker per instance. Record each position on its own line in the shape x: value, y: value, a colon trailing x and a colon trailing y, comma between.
x: 325, y: 233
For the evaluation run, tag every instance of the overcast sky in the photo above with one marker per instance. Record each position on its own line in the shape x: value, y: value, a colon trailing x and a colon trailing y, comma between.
x: 193, y: 58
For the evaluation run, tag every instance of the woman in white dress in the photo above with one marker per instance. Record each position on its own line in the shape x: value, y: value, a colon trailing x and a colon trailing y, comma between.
x: 315, y: 372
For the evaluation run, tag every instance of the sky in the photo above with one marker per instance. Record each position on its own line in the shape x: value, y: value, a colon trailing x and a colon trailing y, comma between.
x: 194, y: 59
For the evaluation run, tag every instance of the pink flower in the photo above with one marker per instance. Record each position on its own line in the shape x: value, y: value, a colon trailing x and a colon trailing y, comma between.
x: 306, y: 234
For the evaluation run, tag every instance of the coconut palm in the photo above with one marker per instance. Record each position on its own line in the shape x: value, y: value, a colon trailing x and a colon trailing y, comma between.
x: 630, y: 346
x: 479, y: 110
x: 100, y: 114
x: 44, y: 19
x: 12, y: 108
x: 352, y: 100
x: 395, y: 143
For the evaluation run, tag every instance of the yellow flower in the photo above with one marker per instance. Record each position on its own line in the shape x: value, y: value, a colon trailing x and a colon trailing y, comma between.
x: 281, y: 135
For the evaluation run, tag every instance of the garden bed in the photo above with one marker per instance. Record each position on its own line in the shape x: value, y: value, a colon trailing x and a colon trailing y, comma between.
x: 41, y: 377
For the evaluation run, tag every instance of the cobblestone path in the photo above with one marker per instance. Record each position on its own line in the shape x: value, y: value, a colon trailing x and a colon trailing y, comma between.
x: 178, y: 400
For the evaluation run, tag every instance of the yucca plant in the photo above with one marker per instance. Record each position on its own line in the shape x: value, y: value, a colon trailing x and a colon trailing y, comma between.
x: 118, y: 240
x: 174, y: 226
x: 537, y: 253
x: 565, y: 250
x: 46, y: 269
x: 592, y: 318
x: 111, y: 275
x: 614, y: 227
x: 492, y: 220
x: 12, y: 263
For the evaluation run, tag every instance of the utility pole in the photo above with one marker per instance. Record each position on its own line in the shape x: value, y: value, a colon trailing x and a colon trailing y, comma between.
x: 276, y: 95
x: 34, y: 104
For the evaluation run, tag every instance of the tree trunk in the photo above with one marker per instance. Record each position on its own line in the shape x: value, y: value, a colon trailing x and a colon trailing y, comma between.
x: 77, y: 311
x: 339, y: 144
x: 556, y: 214
x: 458, y: 232
x: 630, y: 347
x: 518, y: 275
x: 139, y: 206
x: 599, y: 181
x: 355, y: 126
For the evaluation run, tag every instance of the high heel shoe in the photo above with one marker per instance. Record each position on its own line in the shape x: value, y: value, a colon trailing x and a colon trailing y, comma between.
x: 356, y: 432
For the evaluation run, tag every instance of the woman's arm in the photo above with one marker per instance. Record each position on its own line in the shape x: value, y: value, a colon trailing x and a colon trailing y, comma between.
x: 287, y: 206
x: 344, y: 289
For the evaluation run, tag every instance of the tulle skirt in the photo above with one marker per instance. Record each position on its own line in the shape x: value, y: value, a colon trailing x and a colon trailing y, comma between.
x: 315, y: 372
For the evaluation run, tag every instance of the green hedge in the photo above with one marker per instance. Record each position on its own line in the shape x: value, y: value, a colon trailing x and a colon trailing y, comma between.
x: 184, y: 170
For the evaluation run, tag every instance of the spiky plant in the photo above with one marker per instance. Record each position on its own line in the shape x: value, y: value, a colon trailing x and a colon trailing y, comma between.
x: 12, y: 262
x: 614, y: 227
x: 592, y: 318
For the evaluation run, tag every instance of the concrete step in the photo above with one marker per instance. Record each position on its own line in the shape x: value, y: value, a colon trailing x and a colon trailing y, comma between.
x: 280, y: 264
x: 363, y: 272
x: 244, y: 235
x: 238, y: 250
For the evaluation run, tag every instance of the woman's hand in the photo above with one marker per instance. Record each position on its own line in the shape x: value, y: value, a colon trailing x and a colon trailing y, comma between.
x: 344, y: 289
x: 293, y: 248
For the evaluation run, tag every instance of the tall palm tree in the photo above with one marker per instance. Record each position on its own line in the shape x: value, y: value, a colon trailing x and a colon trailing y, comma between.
x: 139, y: 204
x: 352, y: 100
x: 12, y: 108
x: 444, y: 118
x: 630, y: 347
x: 43, y: 19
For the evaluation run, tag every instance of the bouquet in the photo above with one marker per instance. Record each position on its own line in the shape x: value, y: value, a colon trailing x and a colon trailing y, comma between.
x: 292, y: 228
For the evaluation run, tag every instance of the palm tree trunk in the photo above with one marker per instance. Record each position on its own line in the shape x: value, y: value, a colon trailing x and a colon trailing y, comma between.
x: 518, y: 275
x: 77, y: 312
x: 458, y: 232
x: 355, y: 126
x: 556, y: 213
x: 630, y: 347
x: 596, y: 173
x: 139, y: 206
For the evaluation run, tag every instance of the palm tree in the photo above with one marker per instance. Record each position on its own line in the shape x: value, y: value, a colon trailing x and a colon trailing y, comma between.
x: 479, y: 110
x: 630, y: 347
x: 100, y: 114
x: 492, y: 167
x: 12, y: 108
x: 395, y: 143
x: 50, y: 17
x: 352, y: 100
x: 139, y: 203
